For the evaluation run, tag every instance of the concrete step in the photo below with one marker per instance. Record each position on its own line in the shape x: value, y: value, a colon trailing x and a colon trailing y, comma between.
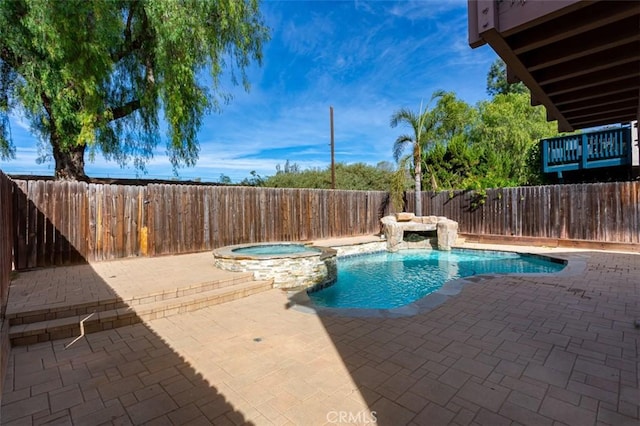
x: 74, y: 325
x: 61, y: 310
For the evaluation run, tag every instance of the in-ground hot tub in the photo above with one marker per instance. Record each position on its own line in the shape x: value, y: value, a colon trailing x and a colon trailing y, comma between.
x: 290, y: 265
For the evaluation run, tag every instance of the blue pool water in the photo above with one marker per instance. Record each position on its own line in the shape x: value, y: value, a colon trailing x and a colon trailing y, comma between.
x: 275, y: 249
x: 390, y: 280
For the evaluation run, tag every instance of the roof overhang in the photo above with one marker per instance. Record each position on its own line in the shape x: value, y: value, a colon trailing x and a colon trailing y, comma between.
x: 580, y: 59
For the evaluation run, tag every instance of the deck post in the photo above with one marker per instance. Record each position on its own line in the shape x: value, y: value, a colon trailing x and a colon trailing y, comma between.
x: 635, y: 147
x: 585, y: 150
x: 635, y: 144
x: 545, y: 155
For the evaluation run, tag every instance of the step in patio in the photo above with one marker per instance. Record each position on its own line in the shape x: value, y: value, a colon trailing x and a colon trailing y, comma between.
x: 64, y: 310
x: 29, y: 327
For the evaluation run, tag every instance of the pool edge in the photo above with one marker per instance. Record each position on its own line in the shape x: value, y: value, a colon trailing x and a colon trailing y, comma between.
x: 300, y: 300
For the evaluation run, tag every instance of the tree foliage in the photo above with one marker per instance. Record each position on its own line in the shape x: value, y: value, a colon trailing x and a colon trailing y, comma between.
x: 497, y: 83
x: 358, y: 176
x: 451, y: 117
x: 100, y: 75
x: 499, y: 148
x: 508, y: 130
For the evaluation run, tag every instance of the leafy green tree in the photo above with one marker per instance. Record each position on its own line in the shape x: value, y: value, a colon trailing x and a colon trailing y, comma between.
x: 452, y: 117
x: 421, y: 125
x: 288, y: 168
x: 507, y: 132
x: 455, y: 162
x: 224, y: 179
x: 492, y: 145
x: 497, y: 83
x: 358, y: 176
x: 254, y: 180
x: 98, y: 75
x: 451, y: 158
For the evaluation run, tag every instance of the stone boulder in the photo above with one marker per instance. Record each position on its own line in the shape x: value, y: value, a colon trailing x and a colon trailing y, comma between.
x: 405, y: 217
x: 447, y: 234
x: 394, y: 229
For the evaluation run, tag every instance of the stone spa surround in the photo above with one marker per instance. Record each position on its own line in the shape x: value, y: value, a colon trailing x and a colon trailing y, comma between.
x: 313, y: 267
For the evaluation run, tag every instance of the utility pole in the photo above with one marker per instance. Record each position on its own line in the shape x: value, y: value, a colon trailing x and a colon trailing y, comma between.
x: 333, y: 162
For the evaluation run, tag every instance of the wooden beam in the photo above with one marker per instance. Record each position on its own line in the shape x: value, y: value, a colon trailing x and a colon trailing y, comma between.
x: 605, y: 100
x: 605, y: 118
x: 599, y: 111
x: 590, y: 124
x: 512, y: 78
x: 638, y: 116
x: 630, y: 84
x: 487, y: 16
x: 520, y: 15
x: 472, y: 18
x: 602, y: 40
x: 597, y: 62
x: 586, y: 19
x: 592, y: 80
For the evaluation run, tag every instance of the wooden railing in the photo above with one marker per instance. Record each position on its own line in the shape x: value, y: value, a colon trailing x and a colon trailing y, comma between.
x: 604, y: 148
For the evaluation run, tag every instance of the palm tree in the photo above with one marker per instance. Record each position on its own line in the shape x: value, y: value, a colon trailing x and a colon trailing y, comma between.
x: 422, y: 125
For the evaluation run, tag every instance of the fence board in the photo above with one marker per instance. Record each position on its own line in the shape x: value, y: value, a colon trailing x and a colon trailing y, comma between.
x: 6, y: 244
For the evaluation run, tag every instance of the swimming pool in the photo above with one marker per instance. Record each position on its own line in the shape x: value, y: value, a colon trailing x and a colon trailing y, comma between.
x: 390, y: 280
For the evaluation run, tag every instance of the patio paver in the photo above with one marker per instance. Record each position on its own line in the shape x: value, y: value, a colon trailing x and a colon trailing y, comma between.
x: 506, y: 350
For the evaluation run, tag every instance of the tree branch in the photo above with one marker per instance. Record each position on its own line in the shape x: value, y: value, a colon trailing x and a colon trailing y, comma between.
x: 124, y: 110
x: 130, y: 45
x: 11, y: 59
x: 46, y: 103
x: 127, y: 30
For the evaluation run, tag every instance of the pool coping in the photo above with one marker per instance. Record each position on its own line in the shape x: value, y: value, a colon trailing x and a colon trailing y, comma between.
x: 575, y: 264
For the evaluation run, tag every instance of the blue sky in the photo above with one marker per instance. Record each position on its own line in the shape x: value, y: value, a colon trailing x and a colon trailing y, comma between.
x: 366, y: 59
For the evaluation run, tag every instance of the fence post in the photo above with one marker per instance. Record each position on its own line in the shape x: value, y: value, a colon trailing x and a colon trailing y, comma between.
x: 585, y: 150
x: 6, y: 261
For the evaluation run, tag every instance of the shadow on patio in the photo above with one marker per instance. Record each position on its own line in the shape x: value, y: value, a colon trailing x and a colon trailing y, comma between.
x: 126, y: 375
x: 529, y: 350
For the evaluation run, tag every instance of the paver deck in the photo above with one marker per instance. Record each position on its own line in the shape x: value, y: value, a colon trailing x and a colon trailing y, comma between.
x: 123, y: 279
x: 506, y: 350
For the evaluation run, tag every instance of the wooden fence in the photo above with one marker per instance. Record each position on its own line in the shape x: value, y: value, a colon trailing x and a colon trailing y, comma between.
x: 6, y: 240
x: 602, y: 212
x: 6, y: 266
x: 58, y: 223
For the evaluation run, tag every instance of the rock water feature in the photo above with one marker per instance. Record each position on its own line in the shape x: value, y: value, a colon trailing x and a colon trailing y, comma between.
x: 432, y: 231
x: 302, y: 266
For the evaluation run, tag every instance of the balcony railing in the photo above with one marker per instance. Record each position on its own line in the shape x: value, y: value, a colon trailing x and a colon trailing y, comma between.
x: 604, y: 148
